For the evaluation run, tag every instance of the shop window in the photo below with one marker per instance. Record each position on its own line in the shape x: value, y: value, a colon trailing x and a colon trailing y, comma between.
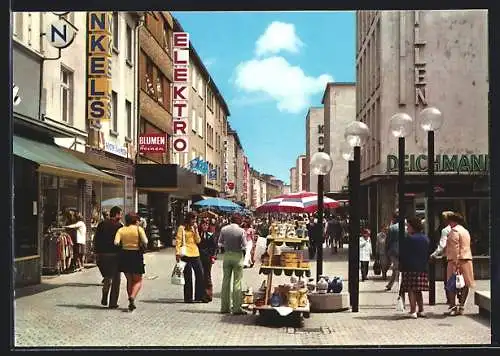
x: 112, y: 195
x: 130, y: 42
x: 69, y: 194
x: 67, y: 95
x: 115, y: 30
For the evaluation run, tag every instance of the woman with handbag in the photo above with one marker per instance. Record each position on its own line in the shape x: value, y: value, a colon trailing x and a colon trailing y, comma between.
x: 459, y: 256
x: 132, y: 240
x: 186, y: 249
x: 414, y: 256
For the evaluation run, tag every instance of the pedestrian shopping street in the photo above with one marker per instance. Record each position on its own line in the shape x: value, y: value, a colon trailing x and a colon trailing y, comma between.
x: 65, y: 311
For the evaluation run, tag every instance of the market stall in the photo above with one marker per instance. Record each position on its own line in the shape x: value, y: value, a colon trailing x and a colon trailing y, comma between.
x: 285, y: 255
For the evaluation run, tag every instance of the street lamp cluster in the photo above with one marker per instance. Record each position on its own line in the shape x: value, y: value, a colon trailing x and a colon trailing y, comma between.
x: 356, y: 134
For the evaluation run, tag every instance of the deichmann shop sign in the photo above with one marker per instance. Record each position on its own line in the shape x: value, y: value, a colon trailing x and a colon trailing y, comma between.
x: 471, y: 163
x: 180, y: 95
x: 99, y: 66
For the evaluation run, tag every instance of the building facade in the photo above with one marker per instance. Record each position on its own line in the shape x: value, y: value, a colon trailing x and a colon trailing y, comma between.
x: 339, y: 102
x: 64, y: 162
x: 315, y: 142
x: 294, y: 184
x: 302, y: 172
x: 441, y: 61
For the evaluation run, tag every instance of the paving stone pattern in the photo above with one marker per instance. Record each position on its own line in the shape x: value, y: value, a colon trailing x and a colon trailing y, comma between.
x: 65, y: 311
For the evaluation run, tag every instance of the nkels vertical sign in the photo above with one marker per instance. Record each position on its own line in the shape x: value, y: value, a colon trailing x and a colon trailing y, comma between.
x: 180, y: 92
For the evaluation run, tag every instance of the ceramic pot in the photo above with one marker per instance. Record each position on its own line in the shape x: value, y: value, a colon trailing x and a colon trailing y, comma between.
x: 293, y: 301
x: 335, y: 285
x: 311, y: 286
x: 275, y: 300
x: 322, y: 286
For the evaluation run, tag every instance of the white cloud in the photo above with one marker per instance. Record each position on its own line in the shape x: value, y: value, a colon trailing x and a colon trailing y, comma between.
x: 277, y: 37
x: 288, y: 85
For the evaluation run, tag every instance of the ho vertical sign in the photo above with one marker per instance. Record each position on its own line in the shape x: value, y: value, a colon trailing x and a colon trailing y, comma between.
x: 99, y: 66
x: 180, y: 95
x: 61, y: 34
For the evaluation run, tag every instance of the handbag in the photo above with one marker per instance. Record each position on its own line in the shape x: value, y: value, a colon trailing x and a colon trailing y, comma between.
x: 451, y: 283
x: 459, y: 281
x: 400, y: 305
x: 177, y: 277
x: 377, y: 268
x: 183, y: 249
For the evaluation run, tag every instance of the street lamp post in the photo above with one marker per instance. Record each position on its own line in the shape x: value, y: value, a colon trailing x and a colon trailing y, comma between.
x: 321, y: 164
x: 355, y: 134
x: 401, y: 126
x: 431, y: 120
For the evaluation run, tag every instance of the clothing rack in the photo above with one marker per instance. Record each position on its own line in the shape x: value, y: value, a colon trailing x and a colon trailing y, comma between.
x: 57, y: 251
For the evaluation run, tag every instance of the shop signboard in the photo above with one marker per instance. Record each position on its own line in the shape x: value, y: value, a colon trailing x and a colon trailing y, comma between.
x: 115, y: 149
x: 198, y: 165
x: 99, y: 66
x: 61, y: 33
x: 464, y: 163
x: 212, y: 174
x: 230, y: 185
x: 180, y: 88
x: 152, y: 143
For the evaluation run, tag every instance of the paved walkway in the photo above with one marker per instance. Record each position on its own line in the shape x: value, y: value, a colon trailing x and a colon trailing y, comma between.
x: 65, y: 311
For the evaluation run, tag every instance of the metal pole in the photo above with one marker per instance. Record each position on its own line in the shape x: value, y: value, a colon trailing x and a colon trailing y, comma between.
x: 319, y: 232
x: 430, y: 214
x: 355, y: 218
x: 352, y: 257
x: 401, y: 194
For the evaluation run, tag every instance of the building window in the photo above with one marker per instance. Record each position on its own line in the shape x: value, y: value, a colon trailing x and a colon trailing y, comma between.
x: 159, y: 87
x: 149, y: 77
x: 166, y: 37
x: 128, y: 108
x: 167, y: 100
x: 200, y: 126
x: 130, y: 41
x: 193, y: 77
x: 193, y: 120
x: 115, y: 30
x: 114, y: 112
x: 66, y: 95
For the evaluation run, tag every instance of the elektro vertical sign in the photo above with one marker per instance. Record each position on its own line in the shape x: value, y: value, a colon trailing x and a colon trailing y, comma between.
x: 99, y: 66
x: 180, y: 95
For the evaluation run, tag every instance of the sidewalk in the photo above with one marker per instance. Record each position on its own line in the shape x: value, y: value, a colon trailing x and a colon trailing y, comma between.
x: 65, y: 311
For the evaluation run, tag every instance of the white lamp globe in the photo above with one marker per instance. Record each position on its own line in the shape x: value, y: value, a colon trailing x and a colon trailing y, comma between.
x: 356, y: 133
x: 346, y: 151
x: 431, y: 119
x: 401, y: 125
x: 321, y: 163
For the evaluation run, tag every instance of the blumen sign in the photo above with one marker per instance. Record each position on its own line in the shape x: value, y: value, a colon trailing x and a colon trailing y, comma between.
x: 180, y: 93
x: 152, y: 143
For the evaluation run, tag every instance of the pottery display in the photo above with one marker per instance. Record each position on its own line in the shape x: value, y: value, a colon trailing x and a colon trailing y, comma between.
x: 293, y: 301
x: 275, y: 298
x: 322, y: 286
x: 302, y: 297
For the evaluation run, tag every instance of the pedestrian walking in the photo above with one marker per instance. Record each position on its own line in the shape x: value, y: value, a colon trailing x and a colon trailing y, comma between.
x: 107, y: 257
x: 381, y: 251
x: 392, y: 246
x: 250, y: 247
x: 132, y: 239
x: 186, y: 249
x: 233, y: 240
x: 365, y: 251
x: 444, y: 230
x: 80, y: 241
x: 459, y: 256
x: 414, y: 266
x: 208, y: 252
x: 334, y: 233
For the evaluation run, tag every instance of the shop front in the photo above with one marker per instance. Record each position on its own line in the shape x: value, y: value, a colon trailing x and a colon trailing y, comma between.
x: 165, y: 192
x: 461, y: 185
x: 49, y: 191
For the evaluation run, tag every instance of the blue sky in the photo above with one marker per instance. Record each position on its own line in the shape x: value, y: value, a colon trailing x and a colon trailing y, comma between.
x: 271, y: 67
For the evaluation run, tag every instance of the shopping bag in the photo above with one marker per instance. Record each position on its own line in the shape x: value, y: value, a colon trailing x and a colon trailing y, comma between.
x: 177, y: 277
x: 451, y: 283
x: 377, y: 267
x: 400, y: 305
x: 459, y: 281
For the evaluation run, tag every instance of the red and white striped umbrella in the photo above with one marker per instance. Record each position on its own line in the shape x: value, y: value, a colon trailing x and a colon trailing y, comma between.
x: 301, y: 202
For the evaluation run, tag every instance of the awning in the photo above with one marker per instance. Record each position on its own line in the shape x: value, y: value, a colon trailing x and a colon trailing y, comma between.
x: 54, y: 160
x: 168, y: 178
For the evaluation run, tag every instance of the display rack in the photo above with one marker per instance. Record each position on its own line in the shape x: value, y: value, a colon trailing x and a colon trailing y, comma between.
x: 270, y: 270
